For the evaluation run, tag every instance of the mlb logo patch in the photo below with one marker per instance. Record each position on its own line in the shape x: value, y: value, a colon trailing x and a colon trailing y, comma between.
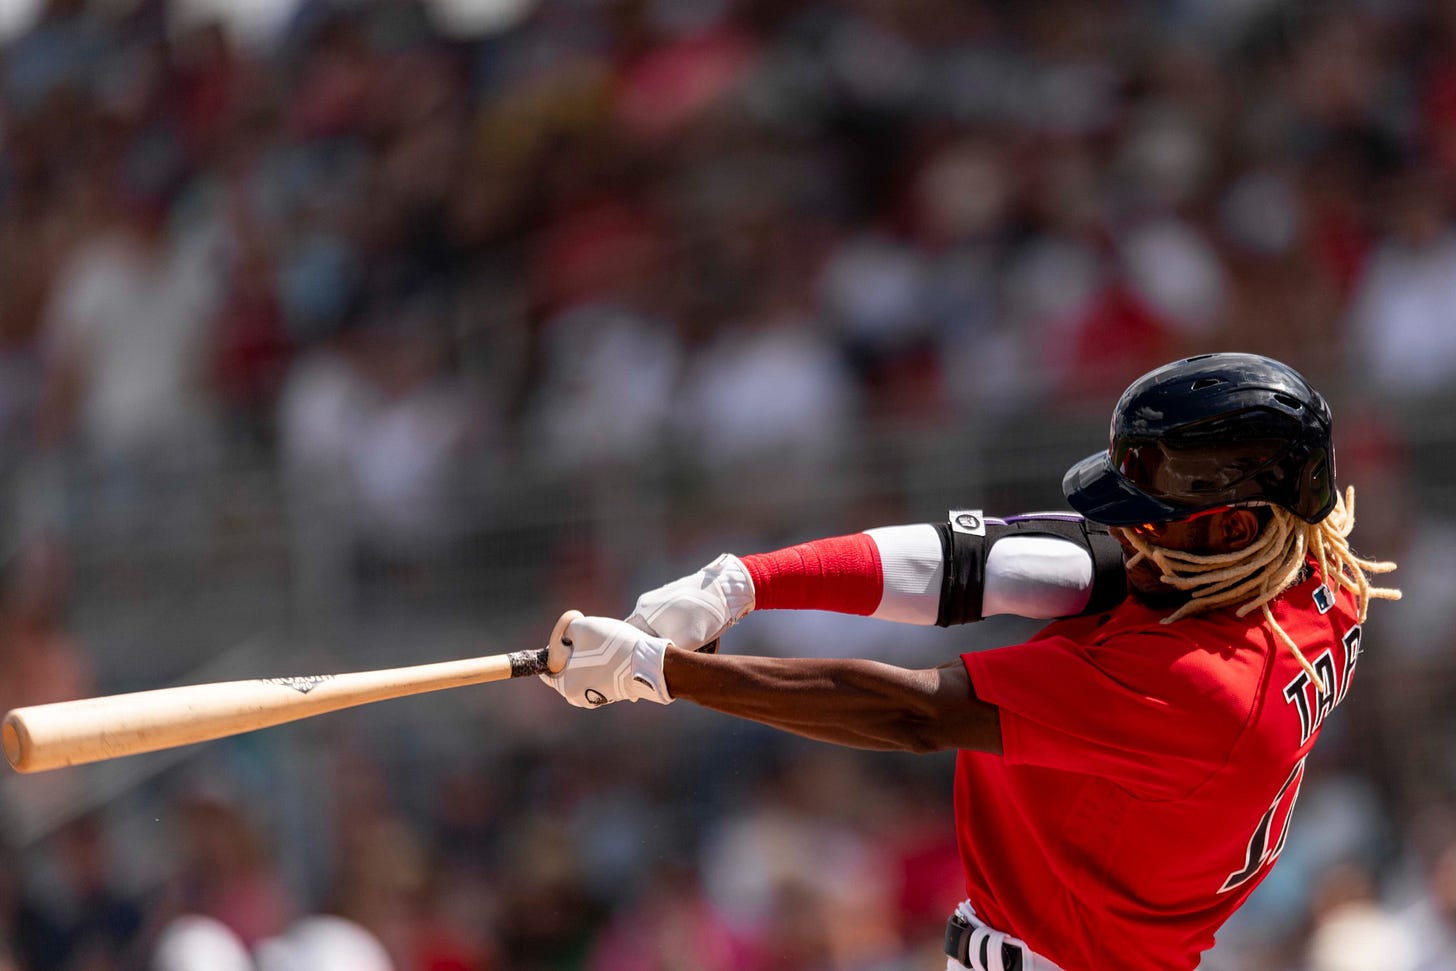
x: 1323, y: 599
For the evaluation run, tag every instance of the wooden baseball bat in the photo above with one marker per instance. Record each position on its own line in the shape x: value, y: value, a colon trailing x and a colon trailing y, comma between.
x: 91, y: 729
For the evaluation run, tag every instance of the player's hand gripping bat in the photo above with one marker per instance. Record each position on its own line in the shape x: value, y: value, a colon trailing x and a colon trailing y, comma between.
x: 91, y: 729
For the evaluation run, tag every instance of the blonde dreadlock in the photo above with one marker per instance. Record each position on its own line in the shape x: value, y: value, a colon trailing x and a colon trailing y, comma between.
x: 1253, y: 576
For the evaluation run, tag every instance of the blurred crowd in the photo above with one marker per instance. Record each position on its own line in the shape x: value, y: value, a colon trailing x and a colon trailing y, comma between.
x: 707, y: 255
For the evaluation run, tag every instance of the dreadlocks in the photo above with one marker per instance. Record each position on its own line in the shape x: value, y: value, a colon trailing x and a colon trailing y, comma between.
x: 1252, y: 577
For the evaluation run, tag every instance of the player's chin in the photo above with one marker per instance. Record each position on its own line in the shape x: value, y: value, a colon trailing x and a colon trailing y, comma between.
x: 1145, y: 580
x: 1146, y: 587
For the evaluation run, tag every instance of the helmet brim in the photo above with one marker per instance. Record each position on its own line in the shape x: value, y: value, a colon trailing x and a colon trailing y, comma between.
x: 1100, y: 493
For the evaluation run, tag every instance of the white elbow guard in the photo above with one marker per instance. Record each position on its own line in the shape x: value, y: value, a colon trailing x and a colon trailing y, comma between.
x: 1042, y: 565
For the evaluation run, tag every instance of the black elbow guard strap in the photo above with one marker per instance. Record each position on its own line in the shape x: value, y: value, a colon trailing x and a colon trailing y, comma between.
x: 967, y: 540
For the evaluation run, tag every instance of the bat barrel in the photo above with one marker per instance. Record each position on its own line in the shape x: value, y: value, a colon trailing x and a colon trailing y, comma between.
x: 64, y: 733
x: 50, y: 736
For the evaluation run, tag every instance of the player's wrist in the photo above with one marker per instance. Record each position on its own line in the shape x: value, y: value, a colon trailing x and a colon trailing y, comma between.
x: 648, y: 679
x: 729, y: 574
x: 681, y: 669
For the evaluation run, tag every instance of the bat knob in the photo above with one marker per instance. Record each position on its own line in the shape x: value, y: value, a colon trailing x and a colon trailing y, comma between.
x: 559, y: 650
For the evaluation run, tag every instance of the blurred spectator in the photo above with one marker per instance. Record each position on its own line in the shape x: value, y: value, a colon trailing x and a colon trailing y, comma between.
x: 1352, y: 930
x: 320, y: 943
x: 671, y: 926
x: 768, y: 401
x: 1284, y: 300
x: 132, y: 322
x: 42, y: 661
x: 323, y: 944
x: 32, y: 937
x: 1403, y: 333
x: 664, y: 87
x: 609, y: 380
x: 873, y: 290
x: 800, y: 878
x: 193, y: 943
x: 1429, y: 924
x: 374, y: 430
x: 130, y: 331
x: 71, y: 913
x: 99, y: 925
x: 223, y: 871
x: 61, y: 50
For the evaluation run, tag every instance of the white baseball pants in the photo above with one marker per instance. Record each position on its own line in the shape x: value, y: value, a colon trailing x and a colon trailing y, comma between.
x: 1030, y: 960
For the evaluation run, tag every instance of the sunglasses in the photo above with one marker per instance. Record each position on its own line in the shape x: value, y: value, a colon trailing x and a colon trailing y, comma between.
x: 1147, y: 530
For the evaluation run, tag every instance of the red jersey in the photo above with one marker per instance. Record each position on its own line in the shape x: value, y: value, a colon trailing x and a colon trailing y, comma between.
x: 1148, y: 775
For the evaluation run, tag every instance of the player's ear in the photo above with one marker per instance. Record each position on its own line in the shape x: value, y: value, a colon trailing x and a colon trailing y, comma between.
x: 1236, y: 529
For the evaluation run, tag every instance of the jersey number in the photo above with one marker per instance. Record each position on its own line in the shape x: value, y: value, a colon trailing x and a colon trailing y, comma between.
x: 1263, y: 849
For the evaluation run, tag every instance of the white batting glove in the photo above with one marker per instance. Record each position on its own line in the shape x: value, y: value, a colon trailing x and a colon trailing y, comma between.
x: 696, y: 610
x: 610, y: 661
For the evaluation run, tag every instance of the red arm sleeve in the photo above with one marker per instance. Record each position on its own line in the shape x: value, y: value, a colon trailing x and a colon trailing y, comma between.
x: 842, y: 574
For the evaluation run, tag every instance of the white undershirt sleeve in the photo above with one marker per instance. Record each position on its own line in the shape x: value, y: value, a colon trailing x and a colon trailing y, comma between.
x: 912, y: 565
x: 1036, y: 576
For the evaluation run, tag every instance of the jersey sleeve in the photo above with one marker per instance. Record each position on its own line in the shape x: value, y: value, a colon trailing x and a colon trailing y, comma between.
x: 1136, y: 709
x: 1041, y: 566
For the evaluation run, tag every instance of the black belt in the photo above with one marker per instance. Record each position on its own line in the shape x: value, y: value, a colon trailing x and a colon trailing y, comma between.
x: 958, y: 945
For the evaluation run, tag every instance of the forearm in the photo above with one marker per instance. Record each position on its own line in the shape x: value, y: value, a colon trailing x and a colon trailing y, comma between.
x: 861, y: 704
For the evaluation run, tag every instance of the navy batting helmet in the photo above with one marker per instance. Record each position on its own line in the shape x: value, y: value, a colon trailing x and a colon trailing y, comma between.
x: 1212, y: 430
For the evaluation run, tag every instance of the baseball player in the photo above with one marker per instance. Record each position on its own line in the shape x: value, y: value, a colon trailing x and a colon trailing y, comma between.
x: 1125, y: 778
